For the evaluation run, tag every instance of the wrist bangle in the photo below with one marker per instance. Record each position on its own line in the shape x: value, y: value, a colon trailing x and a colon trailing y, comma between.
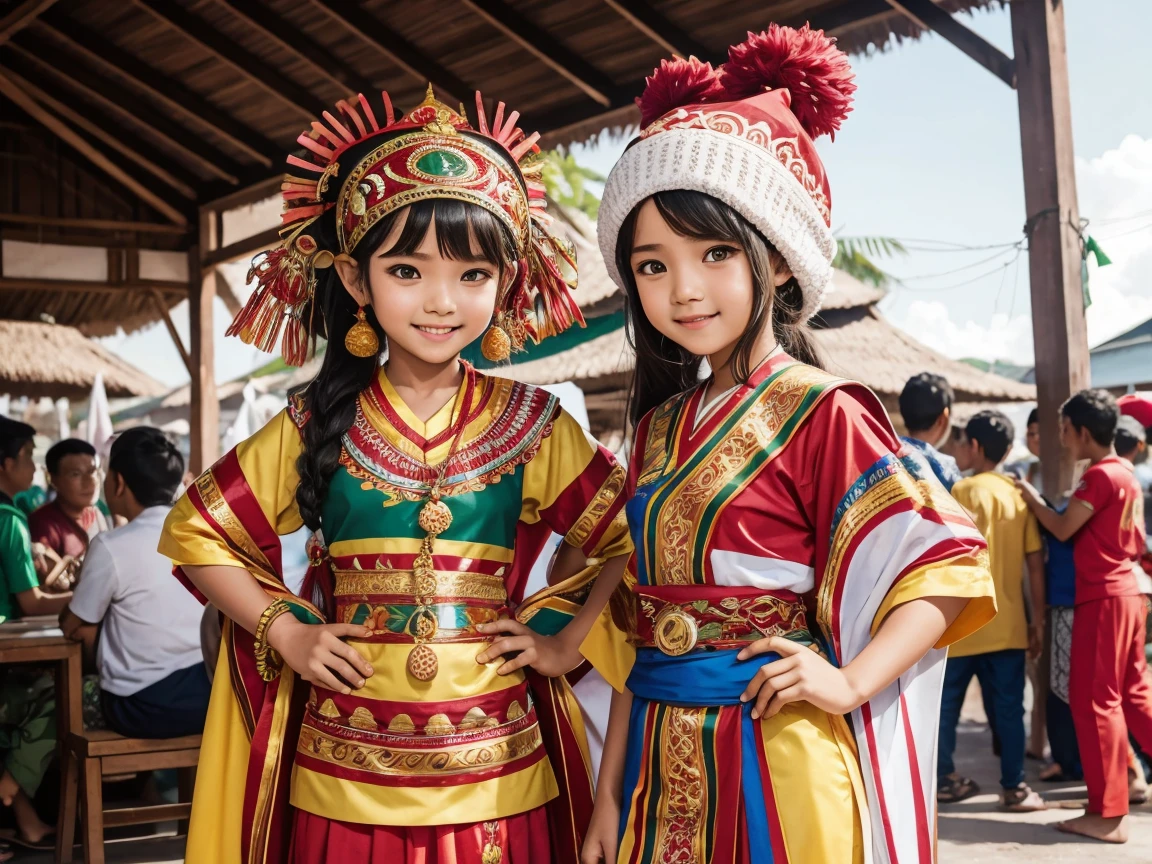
x: 268, y: 661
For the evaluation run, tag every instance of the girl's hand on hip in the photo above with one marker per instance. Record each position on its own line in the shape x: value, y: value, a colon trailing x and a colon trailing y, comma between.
x: 318, y: 653
x: 800, y: 675
x: 551, y: 656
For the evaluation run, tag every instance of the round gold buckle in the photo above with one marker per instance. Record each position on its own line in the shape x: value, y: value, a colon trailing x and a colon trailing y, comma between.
x: 674, y: 631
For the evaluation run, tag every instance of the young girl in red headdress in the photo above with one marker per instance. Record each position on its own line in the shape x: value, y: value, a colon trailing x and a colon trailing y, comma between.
x: 398, y: 709
x: 797, y: 575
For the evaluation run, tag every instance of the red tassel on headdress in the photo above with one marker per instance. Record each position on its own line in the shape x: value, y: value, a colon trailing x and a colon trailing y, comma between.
x: 676, y: 83
x: 805, y: 62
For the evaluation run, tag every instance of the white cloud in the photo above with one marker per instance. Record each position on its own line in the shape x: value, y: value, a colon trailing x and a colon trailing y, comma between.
x: 1114, y: 189
x: 1002, y: 339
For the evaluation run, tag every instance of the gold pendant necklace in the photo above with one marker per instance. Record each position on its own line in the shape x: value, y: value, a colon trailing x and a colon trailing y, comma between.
x: 435, y: 518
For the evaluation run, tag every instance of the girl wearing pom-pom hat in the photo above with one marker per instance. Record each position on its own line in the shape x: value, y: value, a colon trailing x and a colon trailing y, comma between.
x: 797, y: 575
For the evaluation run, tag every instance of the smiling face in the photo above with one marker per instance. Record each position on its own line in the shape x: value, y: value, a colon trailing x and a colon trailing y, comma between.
x: 698, y: 292
x: 430, y: 304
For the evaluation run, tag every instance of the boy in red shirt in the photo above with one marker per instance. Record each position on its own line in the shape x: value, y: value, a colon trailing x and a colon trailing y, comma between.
x: 1108, y: 689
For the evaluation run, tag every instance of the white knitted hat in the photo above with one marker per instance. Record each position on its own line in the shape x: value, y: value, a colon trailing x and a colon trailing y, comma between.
x: 743, y: 135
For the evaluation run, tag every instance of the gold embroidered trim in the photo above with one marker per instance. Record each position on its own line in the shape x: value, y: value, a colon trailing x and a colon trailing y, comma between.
x: 406, y: 762
x: 402, y: 583
x: 220, y: 511
x: 594, y: 513
x: 681, y: 514
x: 684, y: 797
x: 897, y: 487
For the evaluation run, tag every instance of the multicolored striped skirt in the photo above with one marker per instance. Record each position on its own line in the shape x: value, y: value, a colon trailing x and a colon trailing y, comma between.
x: 704, y: 783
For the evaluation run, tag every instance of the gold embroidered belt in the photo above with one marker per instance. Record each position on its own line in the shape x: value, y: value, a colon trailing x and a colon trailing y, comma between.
x: 392, y: 605
x: 676, y: 624
x: 405, y: 756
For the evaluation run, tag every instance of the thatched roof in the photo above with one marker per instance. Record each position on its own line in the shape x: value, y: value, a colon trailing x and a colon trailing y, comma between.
x: 856, y: 341
x: 51, y: 360
x: 157, y: 107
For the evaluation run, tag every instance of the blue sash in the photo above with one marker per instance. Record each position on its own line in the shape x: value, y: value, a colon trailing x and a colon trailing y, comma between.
x: 702, y: 679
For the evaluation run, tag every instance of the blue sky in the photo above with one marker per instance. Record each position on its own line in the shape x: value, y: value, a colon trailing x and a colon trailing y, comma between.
x: 932, y: 153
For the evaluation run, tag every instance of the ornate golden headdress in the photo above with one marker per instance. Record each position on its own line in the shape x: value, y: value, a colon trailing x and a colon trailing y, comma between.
x: 358, y: 170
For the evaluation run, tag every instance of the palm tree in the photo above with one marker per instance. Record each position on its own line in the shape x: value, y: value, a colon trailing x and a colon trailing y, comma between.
x: 564, y: 181
x: 854, y: 256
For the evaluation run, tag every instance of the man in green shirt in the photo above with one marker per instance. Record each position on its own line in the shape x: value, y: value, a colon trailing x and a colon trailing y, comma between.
x: 20, y: 592
x: 27, y: 695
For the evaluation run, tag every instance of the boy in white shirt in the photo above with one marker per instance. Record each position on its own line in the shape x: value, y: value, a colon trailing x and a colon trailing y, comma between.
x: 153, y: 683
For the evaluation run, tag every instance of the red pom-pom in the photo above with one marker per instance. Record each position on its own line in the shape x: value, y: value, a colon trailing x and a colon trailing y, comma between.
x: 676, y: 83
x: 806, y: 62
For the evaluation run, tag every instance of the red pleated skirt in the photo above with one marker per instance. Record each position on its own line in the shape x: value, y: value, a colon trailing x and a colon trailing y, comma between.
x: 521, y: 839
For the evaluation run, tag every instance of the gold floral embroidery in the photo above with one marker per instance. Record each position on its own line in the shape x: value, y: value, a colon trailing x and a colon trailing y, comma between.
x: 515, y: 711
x: 402, y: 583
x: 657, y: 446
x: 681, y: 514
x: 409, y: 762
x: 329, y: 709
x: 594, y: 513
x: 477, y: 719
x: 684, y: 795
x: 402, y: 724
x: 492, y: 853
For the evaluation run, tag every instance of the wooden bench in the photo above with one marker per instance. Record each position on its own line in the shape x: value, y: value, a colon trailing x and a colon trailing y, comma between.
x: 92, y: 756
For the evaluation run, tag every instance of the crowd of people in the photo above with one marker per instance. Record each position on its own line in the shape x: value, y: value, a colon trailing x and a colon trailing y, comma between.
x: 1069, y: 587
x: 90, y: 560
x: 1072, y: 588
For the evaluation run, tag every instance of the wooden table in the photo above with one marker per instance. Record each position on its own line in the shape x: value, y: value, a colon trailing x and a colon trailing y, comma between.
x: 39, y: 640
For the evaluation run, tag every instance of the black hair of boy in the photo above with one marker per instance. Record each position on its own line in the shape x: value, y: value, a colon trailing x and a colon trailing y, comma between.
x: 1129, y: 436
x: 1033, y: 417
x: 150, y: 464
x: 923, y: 399
x: 67, y: 447
x: 13, y: 436
x: 1094, y: 410
x: 994, y: 432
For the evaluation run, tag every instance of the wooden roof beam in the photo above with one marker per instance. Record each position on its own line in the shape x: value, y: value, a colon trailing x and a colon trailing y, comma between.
x: 62, y: 130
x: 538, y: 42
x: 83, y: 286
x: 235, y: 55
x: 658, y: 28
x: 170, y: 92
x: 21, y: 16
x: 288, y: 37
x: 405, y: 55
x: 114, y: 226
x: 125, y: 103
x: 931, y: 17
x: 98, y: 127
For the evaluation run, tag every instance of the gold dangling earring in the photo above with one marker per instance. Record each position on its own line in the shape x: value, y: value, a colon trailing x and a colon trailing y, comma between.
x: 361, y: 340
x: 496, y: 346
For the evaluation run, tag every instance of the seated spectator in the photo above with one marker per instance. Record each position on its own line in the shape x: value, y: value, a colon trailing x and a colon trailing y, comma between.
x: 152, y: 678
x: 996, y: 653
x: 27, y: 695
x: 67, y: 523
x: 926, y: 406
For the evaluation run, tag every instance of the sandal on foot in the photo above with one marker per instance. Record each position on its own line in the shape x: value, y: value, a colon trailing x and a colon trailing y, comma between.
x: 954, y: 789
x: 1021, y: 800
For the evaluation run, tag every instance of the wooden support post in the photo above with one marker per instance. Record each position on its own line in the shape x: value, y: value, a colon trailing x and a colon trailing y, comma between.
x: 204, y: 413
x: 1058, y: 332
x: 162, y: 307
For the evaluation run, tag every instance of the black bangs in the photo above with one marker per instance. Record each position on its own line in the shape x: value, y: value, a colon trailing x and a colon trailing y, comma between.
x: 464, y: 232
x: 700, y: 216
